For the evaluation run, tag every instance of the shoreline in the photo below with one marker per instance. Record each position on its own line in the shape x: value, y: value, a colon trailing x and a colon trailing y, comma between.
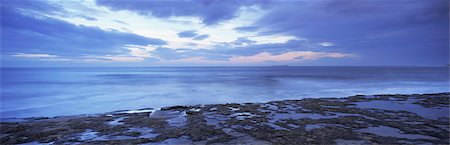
x: 21, y: 119
x: 401, y: 119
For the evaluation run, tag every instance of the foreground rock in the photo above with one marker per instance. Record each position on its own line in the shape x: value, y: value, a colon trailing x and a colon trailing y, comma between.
x: 379, y: 119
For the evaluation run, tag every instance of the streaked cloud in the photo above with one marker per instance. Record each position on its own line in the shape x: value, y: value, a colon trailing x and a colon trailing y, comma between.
x: 201, y: 37
x: 294, y: 56
x: 225, y: 32
x: 40, y: 57
x: 286, y: 57
x: 187, y: 34
x: 30, y: 55
x: 326, y: 44
x: 209, y: 12
x: 243, y: 41
x: 112, y: 58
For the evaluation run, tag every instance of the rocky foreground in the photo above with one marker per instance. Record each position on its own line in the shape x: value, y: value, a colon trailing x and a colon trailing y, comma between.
x: 378, y: 119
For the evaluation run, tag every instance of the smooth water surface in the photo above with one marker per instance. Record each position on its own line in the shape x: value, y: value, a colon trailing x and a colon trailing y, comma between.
x: 32, y: 92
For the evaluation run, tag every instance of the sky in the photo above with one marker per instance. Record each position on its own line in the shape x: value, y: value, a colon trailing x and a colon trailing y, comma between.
x: 47, y: 33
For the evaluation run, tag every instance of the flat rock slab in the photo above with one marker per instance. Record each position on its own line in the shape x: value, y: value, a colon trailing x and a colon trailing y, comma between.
x: 374, y: 119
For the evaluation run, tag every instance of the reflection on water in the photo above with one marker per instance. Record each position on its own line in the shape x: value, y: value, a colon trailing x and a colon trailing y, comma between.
x: 30, y: 92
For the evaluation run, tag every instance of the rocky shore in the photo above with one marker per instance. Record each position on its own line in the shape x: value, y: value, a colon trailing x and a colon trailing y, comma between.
x: 374, y: 119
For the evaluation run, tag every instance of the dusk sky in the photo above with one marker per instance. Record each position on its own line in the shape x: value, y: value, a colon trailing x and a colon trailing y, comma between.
x: 224, y: 33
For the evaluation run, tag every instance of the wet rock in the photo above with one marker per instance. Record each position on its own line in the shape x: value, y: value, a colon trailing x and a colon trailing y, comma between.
x: 360, y: 119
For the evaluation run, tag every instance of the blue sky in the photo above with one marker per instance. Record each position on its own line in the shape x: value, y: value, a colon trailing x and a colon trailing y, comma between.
x: 224, y: 33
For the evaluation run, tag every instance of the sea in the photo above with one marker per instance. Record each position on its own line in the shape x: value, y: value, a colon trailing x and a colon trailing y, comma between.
x: 48, y: 92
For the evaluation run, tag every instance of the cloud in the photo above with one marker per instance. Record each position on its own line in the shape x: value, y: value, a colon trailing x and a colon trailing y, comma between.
x: 155, y: 27
x: 39, y: 7
x: 201, y: 37
x: 286, y: 57
x: 401, y: 32
x: 326, y: 44
x: 28, y: 55
x: 134, y: 57
x: 32, y: 6
x: 40, y: 34
x: 87, y: 58
x: 187, y: 34
x: 88, y: 18
x: 120, y: 22
x: 112, y: 58
x: 260, y: 58
x: 140, y: 51
x: 209, y: 11
x: 247, y: 28
x: 223, y: 51
x: 192, y: 34
x: 265, y: 39
x: 41, y: 57
x: 195, y: 59
x: 243, y: 41
x: 137, y: 53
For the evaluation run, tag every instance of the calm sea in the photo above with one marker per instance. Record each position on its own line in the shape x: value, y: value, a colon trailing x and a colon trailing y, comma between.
x: 32, y: 92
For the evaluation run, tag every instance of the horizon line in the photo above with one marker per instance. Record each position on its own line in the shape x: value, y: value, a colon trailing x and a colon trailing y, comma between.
x: 228, y: 66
